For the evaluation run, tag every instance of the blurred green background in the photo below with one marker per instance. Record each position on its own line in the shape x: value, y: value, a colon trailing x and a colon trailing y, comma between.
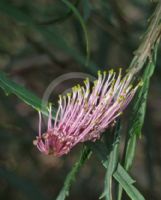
x: 42, y: 39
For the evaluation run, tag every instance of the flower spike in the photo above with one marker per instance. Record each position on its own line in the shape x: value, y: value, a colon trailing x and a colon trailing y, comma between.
x: 86, y: 112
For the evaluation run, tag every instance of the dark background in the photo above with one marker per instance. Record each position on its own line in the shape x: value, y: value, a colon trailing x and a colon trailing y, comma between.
x: 33, y: 56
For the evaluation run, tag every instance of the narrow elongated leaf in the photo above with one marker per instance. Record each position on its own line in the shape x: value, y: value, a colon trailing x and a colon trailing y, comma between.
x: 72, y: 7
x: 127, y: 183
x: 138, y: 116
x: 120, y: 171
x: 121, y: 175
x: 111, y: 165
x: 86, y: 9
x: 136, y: 123
x: 11, y: 87
x: 72, y: 174
x: 139, y: 110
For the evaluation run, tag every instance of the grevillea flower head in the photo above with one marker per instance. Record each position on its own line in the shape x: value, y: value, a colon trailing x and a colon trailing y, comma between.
x: 86, y: 112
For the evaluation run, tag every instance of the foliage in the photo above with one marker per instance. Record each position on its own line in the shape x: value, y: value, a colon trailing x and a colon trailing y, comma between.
x: 42, y: 32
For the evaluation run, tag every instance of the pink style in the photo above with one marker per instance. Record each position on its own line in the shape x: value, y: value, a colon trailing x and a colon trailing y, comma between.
x: 86, y: 112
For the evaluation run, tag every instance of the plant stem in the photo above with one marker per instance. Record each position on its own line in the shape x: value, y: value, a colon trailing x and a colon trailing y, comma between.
x: 147, y: 44
x: 144, y: 51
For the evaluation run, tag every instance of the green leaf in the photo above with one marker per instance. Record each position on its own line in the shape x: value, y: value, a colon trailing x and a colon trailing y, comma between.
x: 121, y: 175
x: 127, y: 183
x: 77, y: 14
x: 138, y: 115
x: 86, y: 9
x: 112, y: 162
x: 10, y: 87
x: 72, y: 174
x: 111, y: 166
x: 139, y: 110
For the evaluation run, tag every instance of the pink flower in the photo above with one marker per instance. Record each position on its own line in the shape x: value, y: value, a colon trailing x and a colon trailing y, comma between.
x: 85, y: 113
